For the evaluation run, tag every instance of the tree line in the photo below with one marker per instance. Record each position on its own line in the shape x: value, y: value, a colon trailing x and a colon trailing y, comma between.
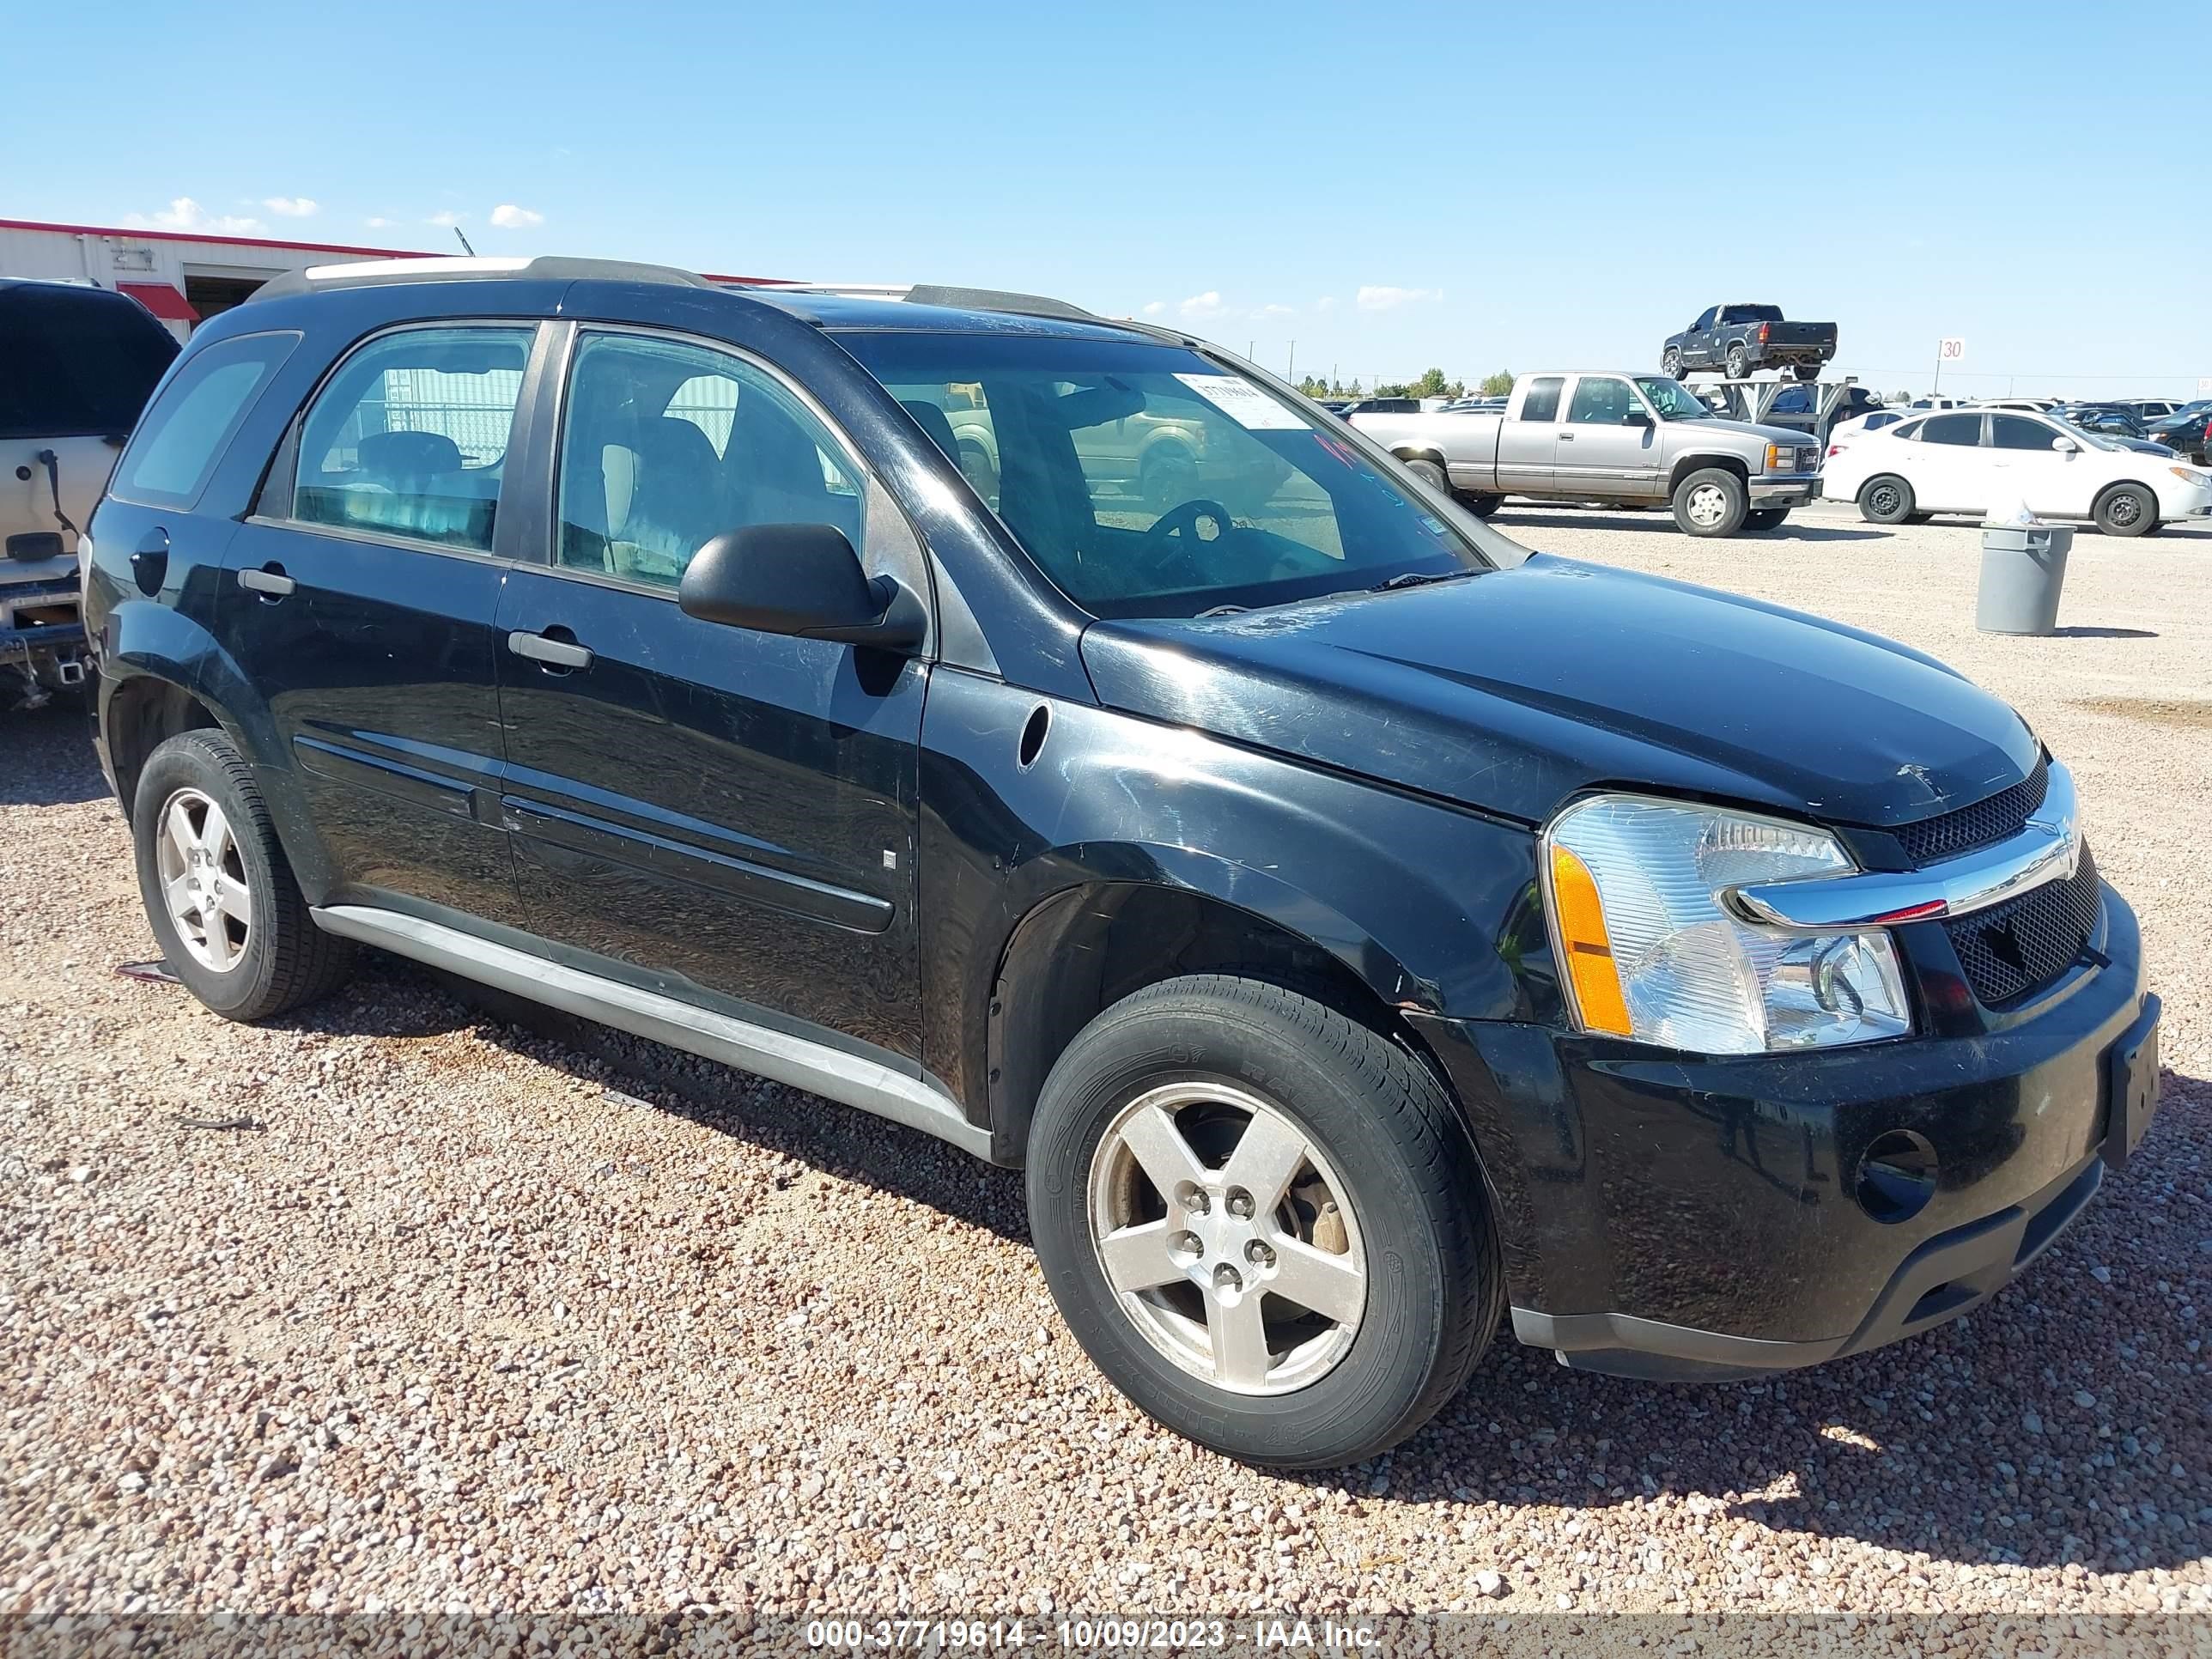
x: 1431, y: 384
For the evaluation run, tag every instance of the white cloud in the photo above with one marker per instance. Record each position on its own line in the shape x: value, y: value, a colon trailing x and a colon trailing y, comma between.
x: 1372, y: 298
x: 507, y: 216
x: 1327, y: 302
x: 186, y: 214
x: 291, y: 207
x: 448, y: 217
x: 1198, y: 306
x: 379, y: 224
x: 1278, y: 311
x: 1156, y: 307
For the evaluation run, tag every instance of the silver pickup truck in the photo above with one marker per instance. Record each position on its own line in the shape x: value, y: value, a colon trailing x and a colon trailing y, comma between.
x: 1636, y: 440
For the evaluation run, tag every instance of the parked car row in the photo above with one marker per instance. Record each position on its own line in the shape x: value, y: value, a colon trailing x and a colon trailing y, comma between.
x: 1365, y: 934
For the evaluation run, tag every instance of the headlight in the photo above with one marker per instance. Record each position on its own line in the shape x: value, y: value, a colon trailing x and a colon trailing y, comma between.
x: 2190, y: 475
x: 1647, y: 950
x: 1781, y: 457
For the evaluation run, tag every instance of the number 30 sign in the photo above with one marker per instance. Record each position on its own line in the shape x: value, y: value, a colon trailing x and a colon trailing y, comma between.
x: 1950, y: 351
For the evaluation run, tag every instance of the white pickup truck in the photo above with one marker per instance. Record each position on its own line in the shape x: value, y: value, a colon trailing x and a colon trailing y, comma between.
x: 1638, y: 439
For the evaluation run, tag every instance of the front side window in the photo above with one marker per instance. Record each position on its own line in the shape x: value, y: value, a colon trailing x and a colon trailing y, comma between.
x: 1673, y: 400
x: 1542, y: 402
x: 1148, y: 480
x: 665, y: 445
x: 1965, y: 430
x: 409, y: 436
x: 1600, y: 400
x: 2017, y: 432
x: 1706, y: 318
x: 184, y: 434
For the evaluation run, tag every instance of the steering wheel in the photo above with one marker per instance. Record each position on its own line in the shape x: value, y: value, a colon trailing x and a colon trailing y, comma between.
x: 1151, y: 553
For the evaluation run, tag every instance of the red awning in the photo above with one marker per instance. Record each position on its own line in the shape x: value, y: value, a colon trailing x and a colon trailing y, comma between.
x: 163, y: 300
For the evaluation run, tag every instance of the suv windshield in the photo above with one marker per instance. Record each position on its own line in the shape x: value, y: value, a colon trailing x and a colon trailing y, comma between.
x: 1146, y: 480
x: 1673, y: 400
x: 75, y: 362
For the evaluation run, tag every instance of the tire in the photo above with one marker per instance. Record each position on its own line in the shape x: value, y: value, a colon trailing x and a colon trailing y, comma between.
x: 1167, y: 477
x: 1710, y: 501
x: 278, y: 959
x: 1739, y: 363
x: 1807, y: 371
x: 1670, y: 363
x: 1374, y: 1130
x: 1886, y: 498
x: 1920, y: 517
x: 1481, y: 506
x: 1430, y: 474
x: 2126, y: 509
x: 1764, y: 519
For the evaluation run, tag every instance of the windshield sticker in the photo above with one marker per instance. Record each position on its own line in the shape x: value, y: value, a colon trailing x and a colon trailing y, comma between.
x: 1243, y: 403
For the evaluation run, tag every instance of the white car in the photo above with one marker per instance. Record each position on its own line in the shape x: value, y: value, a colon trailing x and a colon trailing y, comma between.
x: 1968, y: 460
x: 1841, y: 435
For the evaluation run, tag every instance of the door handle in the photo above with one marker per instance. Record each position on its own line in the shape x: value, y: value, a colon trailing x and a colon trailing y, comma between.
x: 270, y: 581
x: 551, y: 653
x: 1566, y: 437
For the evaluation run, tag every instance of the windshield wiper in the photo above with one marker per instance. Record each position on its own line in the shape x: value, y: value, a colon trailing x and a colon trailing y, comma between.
x: 1419, y: 579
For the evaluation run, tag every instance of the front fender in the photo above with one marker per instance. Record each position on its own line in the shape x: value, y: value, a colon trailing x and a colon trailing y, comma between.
x: 1427, y: 905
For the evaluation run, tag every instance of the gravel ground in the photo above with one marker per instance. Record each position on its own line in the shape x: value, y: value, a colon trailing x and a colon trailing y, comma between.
x: 466, y: 1316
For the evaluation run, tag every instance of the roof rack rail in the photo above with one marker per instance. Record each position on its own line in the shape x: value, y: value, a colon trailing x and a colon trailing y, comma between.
x: 957, y: 299
x: 556, y: 268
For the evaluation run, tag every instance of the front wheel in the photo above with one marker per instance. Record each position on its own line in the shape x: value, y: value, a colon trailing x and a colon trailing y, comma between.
x: 1710, y: 502
x: 1765, y: 518
x: 1263, y: 1221
x: 1670, y: 364
x: 1886, y: 500
x: 2126, y: 510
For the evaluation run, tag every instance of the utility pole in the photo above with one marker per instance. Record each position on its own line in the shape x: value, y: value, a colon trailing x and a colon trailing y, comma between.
x: 1292, y: 372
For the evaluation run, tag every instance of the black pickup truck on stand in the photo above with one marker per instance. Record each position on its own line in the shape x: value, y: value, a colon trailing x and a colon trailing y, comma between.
x: 1741, y: 340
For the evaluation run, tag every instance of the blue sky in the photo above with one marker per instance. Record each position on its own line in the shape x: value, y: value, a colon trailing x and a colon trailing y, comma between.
x: 1467, y: 186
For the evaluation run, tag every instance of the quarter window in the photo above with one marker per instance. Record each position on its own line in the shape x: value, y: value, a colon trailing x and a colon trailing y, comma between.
x: 666, y: 446
x: 409, y: 438
x: 1961, y: 429
x: 186, y: 434
x: 1542, y: 402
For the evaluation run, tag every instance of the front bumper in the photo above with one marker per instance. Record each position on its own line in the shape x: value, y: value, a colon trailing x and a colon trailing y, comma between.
x: 1677, y: 1217
x: 1781, y: 490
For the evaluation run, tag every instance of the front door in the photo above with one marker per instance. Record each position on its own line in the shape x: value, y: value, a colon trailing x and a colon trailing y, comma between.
x: 359, y: 599
x: 2028, y: 467
x: 1609, y: 441
x: 1952, y: 472
x: 702, y: 808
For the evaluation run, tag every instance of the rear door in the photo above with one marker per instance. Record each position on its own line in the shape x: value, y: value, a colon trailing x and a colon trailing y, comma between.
x: 701, y: 808
x: 1950, y: 470
x: 1529, y: 439
x: 359, y: 600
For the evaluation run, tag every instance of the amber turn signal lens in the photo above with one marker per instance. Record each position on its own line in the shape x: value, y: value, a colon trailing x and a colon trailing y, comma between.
x: 1588, y: 965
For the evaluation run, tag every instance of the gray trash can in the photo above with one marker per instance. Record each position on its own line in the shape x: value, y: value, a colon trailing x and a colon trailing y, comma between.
x: 2023, y: 567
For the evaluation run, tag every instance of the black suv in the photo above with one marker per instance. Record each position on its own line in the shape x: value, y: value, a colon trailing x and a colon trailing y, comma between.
x: 1361, y: 930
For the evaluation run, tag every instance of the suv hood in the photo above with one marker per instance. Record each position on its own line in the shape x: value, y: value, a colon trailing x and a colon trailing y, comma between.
x: 1765, y: 434
x: 1512, y: 689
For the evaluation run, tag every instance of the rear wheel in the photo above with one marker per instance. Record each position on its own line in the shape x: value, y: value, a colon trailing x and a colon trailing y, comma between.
x: 1430, y: 474
x: 1808, y: 371
x: 1765, y: 518
x: 1710, y: 502
x: 218, y: 889
x: 1263, y: 1221
x: 1167, y: 477
x: 1481, y: 506
x: 1739, y: 363
x: 2126, y: 509
x: 1886, y: 499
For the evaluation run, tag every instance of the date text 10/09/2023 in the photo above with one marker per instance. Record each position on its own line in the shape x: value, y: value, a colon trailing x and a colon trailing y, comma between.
x: 1089, y: 1635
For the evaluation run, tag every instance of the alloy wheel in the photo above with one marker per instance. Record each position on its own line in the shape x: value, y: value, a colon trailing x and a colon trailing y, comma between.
x: 1229, y: 1240
x: 1707, y: 507
x: 203, y: 880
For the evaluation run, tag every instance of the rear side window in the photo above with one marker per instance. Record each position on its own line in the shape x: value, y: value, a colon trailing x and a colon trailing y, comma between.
x: 76, y: 362
x: 409, y: 438
x: 186, y: 434
x: 1962, y: 429
x: 1542, y: 402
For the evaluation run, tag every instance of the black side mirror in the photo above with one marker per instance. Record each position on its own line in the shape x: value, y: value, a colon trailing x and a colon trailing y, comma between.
x: 803, y: 580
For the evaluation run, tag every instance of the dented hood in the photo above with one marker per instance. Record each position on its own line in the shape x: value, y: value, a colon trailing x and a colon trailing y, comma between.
x: 1510, y: 690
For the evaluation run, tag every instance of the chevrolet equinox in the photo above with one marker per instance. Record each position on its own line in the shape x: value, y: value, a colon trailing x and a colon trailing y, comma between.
x: 1057, y: 736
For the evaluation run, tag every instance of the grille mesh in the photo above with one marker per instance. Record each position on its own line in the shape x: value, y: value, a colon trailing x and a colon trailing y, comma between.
x: 2014, y: 949
x: 1979, y: 825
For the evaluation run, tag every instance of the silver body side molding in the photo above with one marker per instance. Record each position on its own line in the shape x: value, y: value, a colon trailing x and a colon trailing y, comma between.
x: 830, y: 1073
